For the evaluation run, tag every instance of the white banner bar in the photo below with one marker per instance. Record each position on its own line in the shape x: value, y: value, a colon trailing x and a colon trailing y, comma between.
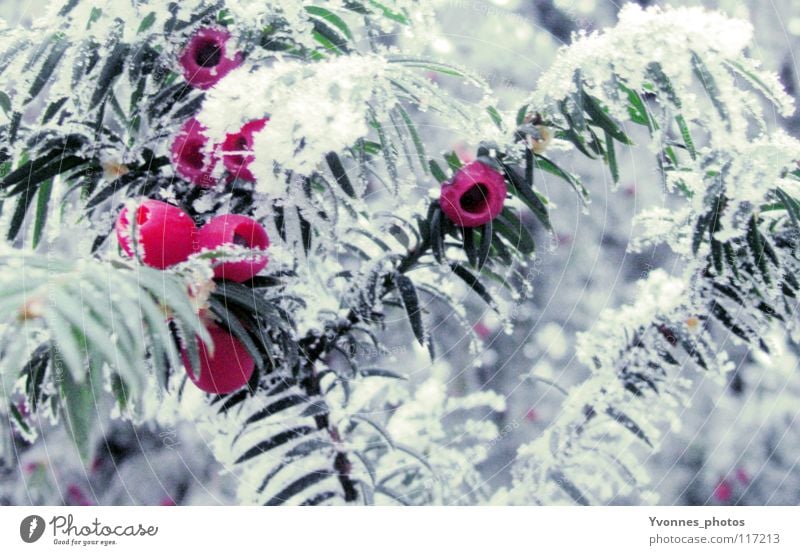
x: 400, y: 530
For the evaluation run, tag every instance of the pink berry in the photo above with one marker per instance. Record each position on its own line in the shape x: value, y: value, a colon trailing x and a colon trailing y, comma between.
x: 189, y: 154
x: 238, y: 230
x: 742, y: 476
x: 205, y: 60
x: 481, y: 329
x: 228, y: 370
x: 464, y: 154
x: 32, y: 467
x: 165, y: 233
x: 723, y: 491
x: 75, y: 496
x: 474, y: 196
x: 238, y: 164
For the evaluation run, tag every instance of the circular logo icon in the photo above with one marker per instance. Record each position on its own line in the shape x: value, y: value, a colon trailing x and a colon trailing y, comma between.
x: 31, y: 528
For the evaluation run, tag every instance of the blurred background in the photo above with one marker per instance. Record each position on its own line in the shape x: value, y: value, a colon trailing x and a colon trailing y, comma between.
x: 737, y: 445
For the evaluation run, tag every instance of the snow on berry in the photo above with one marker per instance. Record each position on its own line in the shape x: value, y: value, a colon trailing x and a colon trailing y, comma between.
x: 313, y: 109
x: 237, y: 149
x: 190, y: 154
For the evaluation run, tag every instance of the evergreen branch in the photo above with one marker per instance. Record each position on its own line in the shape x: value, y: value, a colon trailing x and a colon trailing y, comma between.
x: 95, y: 315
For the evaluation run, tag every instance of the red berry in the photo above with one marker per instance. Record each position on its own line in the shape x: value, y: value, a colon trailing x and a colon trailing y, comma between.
x: 742, y: 476
x: 189, y: 154
x: 723, y: 492
x: 228, y: 370
x: 205, y: 60
x: 238, y: 164
x: 481, y: 329
x: 474, y: 196
x: 238, y: 230
x: 76, y: 496
x: 165, y: 233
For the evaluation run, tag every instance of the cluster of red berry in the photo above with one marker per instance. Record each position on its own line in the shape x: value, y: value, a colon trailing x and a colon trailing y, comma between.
x: 166, y: 235
x: 205, y: 61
